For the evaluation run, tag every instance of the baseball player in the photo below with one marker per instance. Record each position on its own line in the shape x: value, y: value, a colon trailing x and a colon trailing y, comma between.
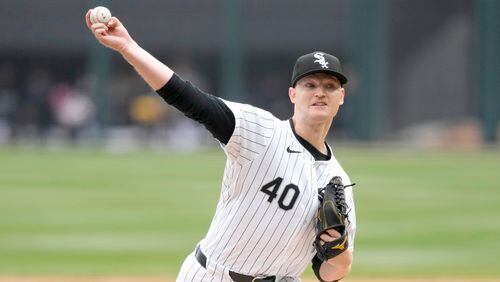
x: 264, y: 225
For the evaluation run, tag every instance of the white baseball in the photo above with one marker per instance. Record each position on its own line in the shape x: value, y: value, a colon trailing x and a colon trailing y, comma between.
x: 100, y: 15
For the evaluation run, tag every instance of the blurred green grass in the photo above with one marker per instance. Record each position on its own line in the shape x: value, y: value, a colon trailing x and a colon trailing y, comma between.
x: 91, y: 212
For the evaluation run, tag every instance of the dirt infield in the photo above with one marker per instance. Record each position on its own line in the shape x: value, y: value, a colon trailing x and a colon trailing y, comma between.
x: 169, y: 279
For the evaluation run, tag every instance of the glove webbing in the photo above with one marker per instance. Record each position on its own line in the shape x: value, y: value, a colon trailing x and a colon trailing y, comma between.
x: 339, y: 194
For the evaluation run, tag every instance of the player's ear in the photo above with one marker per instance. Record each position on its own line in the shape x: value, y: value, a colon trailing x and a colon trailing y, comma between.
x: 292, y: 94
x: 342, y: 94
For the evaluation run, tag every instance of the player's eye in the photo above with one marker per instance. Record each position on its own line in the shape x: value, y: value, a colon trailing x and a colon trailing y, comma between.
x: 331, y: 86
x: 310, y: 85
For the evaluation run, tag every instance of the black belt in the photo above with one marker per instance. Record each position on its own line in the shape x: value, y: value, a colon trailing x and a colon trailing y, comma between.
x: 202, y: 259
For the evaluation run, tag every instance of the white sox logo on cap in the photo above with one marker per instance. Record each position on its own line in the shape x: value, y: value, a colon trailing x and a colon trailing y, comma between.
x: 321, y: 60
x: 317, y: 62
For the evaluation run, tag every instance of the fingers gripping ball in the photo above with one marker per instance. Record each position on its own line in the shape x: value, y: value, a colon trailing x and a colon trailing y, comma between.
x: 332, y: 214
x: 100, y: 15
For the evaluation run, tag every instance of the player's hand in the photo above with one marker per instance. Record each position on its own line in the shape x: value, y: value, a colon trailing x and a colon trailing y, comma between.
x: 345, y: 258
x: 112, y: 35
x: 329, y: 236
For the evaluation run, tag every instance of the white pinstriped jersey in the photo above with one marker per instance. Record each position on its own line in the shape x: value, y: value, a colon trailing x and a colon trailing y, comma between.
x: 264, y: 222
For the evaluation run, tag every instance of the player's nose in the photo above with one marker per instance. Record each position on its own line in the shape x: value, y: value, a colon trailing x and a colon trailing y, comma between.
x: 320, y: 92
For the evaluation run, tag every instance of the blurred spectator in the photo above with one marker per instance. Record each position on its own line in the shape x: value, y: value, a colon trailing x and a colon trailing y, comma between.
x: 121, y: 89
x: 73, y: 109
x: 58, y: 94
x: 147, y: 111
x: 185, y: 135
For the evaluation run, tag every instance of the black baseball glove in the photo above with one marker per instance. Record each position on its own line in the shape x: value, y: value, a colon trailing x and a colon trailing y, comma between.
x: 332, y: 214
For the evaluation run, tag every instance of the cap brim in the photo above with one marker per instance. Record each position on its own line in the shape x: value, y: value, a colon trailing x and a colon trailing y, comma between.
x: 338, y: 75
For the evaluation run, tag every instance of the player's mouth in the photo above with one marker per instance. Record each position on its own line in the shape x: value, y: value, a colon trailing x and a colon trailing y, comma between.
x: 319, y: 104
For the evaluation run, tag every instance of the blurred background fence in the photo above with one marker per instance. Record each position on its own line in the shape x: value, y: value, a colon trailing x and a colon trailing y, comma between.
x: 422, y: 72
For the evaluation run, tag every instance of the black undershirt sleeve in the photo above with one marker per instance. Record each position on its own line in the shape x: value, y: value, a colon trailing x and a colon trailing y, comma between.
x: 202, y: 107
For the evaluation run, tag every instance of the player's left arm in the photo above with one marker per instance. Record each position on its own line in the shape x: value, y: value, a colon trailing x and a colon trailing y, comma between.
x: 337, y: 267
x: 333, y: 265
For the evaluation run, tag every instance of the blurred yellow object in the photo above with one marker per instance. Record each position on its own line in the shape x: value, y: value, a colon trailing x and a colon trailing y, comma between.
x: 146, y: 109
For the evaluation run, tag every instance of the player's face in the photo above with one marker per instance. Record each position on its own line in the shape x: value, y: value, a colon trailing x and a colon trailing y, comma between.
x: 317, y: 97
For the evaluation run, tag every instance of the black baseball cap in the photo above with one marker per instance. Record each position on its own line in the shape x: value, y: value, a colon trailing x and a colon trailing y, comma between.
x: 317, y: 62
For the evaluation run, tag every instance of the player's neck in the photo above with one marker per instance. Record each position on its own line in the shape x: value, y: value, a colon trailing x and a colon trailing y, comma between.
x: 312, y: 133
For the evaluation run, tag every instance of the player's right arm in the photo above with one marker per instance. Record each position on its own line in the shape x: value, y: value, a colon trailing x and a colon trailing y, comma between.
x: 115, y: 36
x: 204, y: 108
x: 214, y: 113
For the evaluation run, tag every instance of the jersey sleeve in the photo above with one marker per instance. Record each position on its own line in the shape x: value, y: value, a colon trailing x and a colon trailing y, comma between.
x: 253, y: 131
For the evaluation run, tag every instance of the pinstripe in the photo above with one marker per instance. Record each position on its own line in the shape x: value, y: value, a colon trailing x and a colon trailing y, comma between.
x: 260, y: 117
x: 248, y: 158
x: 244, y: 180
x: 231, y: 153
x: 320, y: 176
x: 246, y: 139
x: 258, y: 124
x: 268, y: 206
x: 229, y: 221
x: 193, y: 264
x: 300, y: 251
x: 189, y: 269
x: 246, y: 192
x: 249, y: 140
x: 304, y: 192
x: 283, y: 232
x: 184, y: 274
x: 205, y: 274
x: 221, y: 227
x: 305, y: 259
x: 305, y: 227
x: 287, y: 261
x: 254, y: 132
x: 250, y: 150
x: 250, y: 205
x: 273, y: 216
x: 194, y: 276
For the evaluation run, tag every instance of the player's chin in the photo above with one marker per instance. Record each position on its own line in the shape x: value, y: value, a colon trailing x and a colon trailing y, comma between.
x: 321, y: 112
x: 320, y: 117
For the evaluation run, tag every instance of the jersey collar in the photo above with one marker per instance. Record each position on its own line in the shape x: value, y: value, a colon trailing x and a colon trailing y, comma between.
x: 318, y: 156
